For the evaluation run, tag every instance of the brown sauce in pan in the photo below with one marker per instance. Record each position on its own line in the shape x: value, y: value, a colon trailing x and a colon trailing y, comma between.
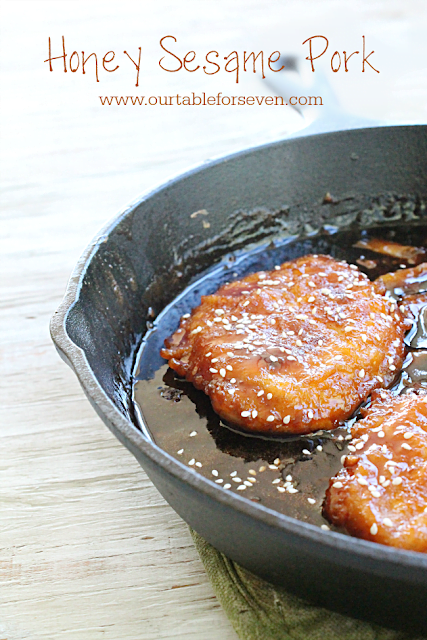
x: 290, y: 474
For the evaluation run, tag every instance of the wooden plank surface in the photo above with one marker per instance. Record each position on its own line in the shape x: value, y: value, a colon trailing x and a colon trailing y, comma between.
x: 88, y: 548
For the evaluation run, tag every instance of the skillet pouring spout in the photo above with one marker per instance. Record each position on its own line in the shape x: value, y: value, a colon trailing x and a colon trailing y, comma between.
x: 146, y: 256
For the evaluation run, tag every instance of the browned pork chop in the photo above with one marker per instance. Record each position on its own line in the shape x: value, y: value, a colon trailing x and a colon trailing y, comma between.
x: 381, y: 493
x: 291, y: 350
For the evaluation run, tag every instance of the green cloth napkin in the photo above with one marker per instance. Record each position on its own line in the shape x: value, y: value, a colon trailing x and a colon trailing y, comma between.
x: 260, y: 611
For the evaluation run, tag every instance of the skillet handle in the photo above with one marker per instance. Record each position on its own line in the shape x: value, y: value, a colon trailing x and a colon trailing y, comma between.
x: 329, y: 116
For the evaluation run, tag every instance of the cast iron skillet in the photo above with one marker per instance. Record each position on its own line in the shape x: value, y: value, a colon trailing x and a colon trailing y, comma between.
x: 152, y: 250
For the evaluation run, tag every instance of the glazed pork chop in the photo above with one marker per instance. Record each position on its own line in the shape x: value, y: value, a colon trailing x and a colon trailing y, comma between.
x: 381, y: 493
x: 291, y: 350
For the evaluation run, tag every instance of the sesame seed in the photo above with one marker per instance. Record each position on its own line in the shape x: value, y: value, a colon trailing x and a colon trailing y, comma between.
x: 192, y: 461
x: 359, y: 445
x: 213, y: 370
x: 227, y: 486
x: 319, y: 447
x: 351, y: 448
x: 262, y: 468
x: 386, y: 483
x: 406, y: 446
x: 260, y: 393
x: 337, y: 485
x: 273, y: 467
x: 209, y: 354
x: 292, y: 490
x: 247, y: 483
x: 229, y: 367
x: 186, y: 315
x: 311, y: 284
x: 306, y: 452
x: 233, y: 474
x: 347, y: 329
x: 252, y: 472
x: 374, y: 529
x: 222, y: 372
x: 193, y: 433
x: 237, y: 479
x: 241, y: 487
x: 364, y: 337
x: 273, y: 359
x: 325, y: 527
x: 245, y: 304
x: 233, y: 380
x: 270, y: 418
x: 320, y: 343
x: 199, y: 464
x: 219, y: 312
x: 269, y: 396
x: 276, y: 481
x: 254, y: 413
x: 252, y: 480
x: 311, y: 299
x: 387, y: 522
x: 180, y: 452
x: 219, y: 481
x: 196, y: 330
x: 376, y: 493
x: 311, y: 500
x: 396, y: 481
x: 288, y: 478
x: 408, y: 435
x: 277, y: 461
x: 286, y: 420
x: 310, y: 414
x: 343, y: 459
x: 362, y: 481
x: 245, y: 414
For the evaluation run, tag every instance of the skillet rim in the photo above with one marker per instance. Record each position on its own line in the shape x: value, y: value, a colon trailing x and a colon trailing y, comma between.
x: 385, y: 559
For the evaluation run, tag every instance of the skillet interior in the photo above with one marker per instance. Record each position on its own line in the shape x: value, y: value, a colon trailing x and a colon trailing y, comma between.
x: 152, y: 251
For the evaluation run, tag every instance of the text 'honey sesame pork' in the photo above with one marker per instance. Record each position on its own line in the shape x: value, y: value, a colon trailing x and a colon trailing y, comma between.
x: 381, y: 493
x: 292, y: 350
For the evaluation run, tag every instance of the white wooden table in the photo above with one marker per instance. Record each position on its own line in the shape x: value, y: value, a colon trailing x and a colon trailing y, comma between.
x: 88, y: 548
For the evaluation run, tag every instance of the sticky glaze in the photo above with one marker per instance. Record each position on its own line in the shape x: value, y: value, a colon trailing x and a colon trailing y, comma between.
x: 292, y: 473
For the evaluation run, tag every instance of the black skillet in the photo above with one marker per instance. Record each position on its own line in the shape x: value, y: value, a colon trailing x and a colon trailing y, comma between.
x: 147, y: 255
